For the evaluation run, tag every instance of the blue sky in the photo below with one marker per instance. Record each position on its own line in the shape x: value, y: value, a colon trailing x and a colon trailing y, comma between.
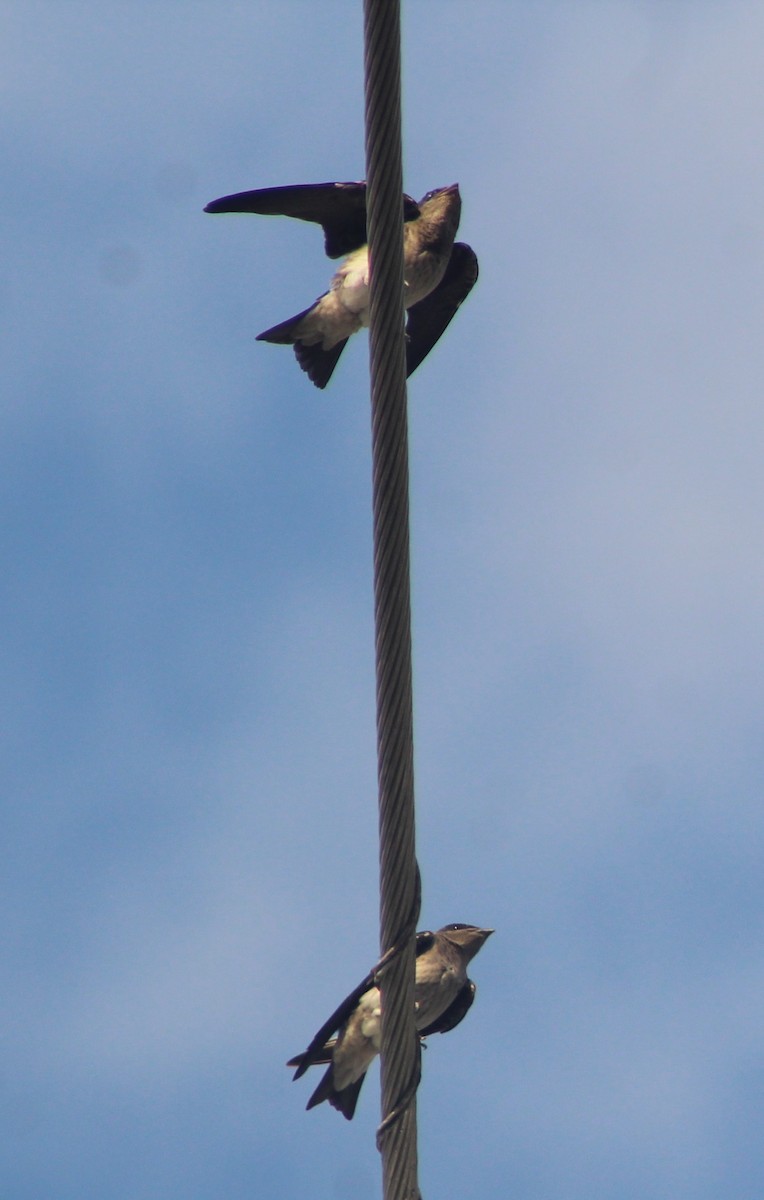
x: 189, y: 803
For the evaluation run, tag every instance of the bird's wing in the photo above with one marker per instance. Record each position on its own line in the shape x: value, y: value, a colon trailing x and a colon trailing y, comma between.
x: 317, y: 1050
x: 424, y: 942
x: 339, y: 208
x: 324, y: 1055
x: 322, y: 1046
x: 456, y: 1012
x: 428, y: 319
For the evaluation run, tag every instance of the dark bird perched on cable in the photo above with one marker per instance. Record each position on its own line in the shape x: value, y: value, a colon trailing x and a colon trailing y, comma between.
x: 443, y: 996
x: 438, y: 272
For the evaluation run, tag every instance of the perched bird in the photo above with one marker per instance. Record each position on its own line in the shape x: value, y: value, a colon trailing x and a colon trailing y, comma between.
x: 438, y: 272
x: 443, y: 995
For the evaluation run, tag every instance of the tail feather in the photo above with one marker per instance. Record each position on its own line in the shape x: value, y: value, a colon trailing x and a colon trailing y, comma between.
x: 346, y: 1100
x: 318, y: 363
x: 343, y: 1100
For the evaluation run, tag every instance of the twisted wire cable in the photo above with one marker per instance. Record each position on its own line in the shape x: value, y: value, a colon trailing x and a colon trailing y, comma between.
x: 399, y: 890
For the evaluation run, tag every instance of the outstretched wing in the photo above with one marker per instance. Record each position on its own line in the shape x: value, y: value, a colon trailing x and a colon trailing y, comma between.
x: 339, y: 208
x: 428, y: 319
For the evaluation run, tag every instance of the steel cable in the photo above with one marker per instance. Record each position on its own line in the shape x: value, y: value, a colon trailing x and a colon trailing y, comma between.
x: 399, y: 883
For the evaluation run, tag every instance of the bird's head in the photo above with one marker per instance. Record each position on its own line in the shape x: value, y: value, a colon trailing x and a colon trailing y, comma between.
x: 443, y: 206
x: 469, y: 938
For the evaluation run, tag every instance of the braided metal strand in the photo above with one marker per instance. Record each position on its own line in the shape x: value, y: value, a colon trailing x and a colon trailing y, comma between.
x: 398, y: 871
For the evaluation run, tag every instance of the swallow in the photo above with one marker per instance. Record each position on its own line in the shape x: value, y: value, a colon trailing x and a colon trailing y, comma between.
x: 438, y: 272
x: 443, y: 997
